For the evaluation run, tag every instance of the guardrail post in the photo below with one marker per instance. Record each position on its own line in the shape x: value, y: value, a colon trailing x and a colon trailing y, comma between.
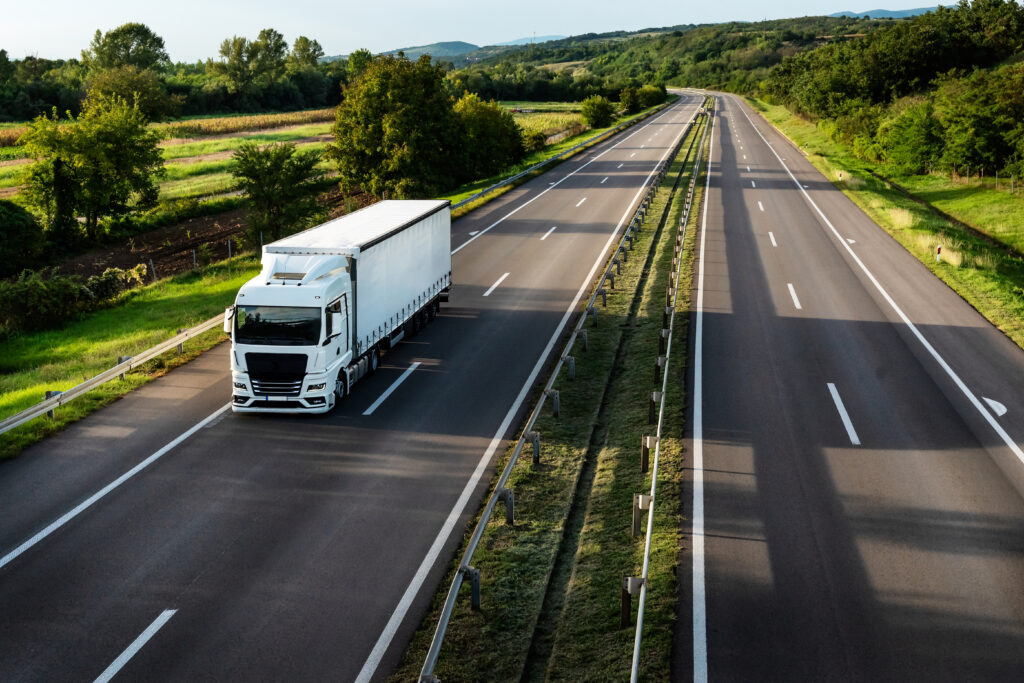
x: 474, y: 585
x: 610, y: 278
x: 571, y: 362
x: 51, y: 394
x: 592, y: 311
x: 181, y: 345
x: 509, y: 498
x: 553, y: 394
x: 604, y: 296
x: 583, y: 336
x: 646, y: 444
x: 630, y: 586
x: 641, y: 502
x: 625, y: 254
x: 659, y: 363
x: 652, y: 413
x: 534, y: 438
x: 668, y: 295
x: 618, y: 264
x: 121, y: 359
x: 666, y: 314
x: 662, y: 340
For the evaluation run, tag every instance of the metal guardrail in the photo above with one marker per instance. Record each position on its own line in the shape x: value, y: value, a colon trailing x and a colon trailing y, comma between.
x: 60, y: 398
x: 501, y: 493
x: 535, y: 167
x: 631, y: 583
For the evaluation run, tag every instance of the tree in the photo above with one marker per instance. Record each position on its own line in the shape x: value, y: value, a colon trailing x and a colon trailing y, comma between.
x: 246, y: 63
x: 357, y: 63
x: 130, y: 44
x: 101, y: 164
x: 280, y: 184
x: 395, y: 131
x: 629, y: 100
x: 236, y: 54
x: 305, y: 54
x: 491, y: 138
x: 142, y: 86
x: 21, y: 238
x: 269, y: 54
x: 597, y: 111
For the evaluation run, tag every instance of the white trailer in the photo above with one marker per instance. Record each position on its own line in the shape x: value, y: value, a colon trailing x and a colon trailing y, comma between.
x: 330, y: 299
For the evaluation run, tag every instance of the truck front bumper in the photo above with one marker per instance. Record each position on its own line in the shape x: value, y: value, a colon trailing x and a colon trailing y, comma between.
x: 315, y: 397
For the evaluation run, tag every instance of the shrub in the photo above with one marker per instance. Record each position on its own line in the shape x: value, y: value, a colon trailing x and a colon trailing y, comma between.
x: 535, y: 141
x: 113, y: 281
x: 598, y: 111
x: 21, y: 238
x: 34, y: 301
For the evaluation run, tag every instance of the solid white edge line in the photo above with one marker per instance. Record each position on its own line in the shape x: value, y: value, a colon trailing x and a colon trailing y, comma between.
x: 394, y: 385
x: 792, y: 293
x: 771, y: 236
x: 1010, y: 443
x: 495, y: 285
x: 136, y: 645
x: 553, y: 228
x: 555, y: 184
x: 580, y: 202
x: 850, y: 431
x: 700, y: 621
x: 405, y: 602
x: 68, y: 516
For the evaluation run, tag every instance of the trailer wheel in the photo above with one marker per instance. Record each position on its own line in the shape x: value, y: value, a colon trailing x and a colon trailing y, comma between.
x: 374, y: 360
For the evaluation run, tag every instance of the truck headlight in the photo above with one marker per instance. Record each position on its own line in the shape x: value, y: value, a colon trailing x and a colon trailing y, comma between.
x: 317, y: 387
x: 240, y: 385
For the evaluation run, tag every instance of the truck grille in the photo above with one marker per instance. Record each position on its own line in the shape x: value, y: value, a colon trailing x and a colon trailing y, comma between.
x: 267, y: 388
x: 276, y: 374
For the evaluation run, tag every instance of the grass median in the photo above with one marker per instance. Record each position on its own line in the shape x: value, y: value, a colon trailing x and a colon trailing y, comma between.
x: 977, y: 264
x: 33, y: 363
x: 522, y: 574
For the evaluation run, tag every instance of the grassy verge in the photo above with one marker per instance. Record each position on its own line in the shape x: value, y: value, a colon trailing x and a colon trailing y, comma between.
x: 59, y: 359
x: 979, y: 270
x: 516, y: 563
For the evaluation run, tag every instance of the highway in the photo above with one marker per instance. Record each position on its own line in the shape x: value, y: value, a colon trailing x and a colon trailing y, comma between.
x: 165, y: 538
x: 856, y: 500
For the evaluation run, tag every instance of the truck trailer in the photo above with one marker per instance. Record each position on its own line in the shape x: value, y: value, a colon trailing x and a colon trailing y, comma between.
x: 329, y: 300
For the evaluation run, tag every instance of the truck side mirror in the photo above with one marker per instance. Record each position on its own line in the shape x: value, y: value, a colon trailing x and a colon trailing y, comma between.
x: 229, y: 313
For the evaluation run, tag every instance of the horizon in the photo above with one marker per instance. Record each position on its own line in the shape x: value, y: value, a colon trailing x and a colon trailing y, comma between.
x: 67, y: 28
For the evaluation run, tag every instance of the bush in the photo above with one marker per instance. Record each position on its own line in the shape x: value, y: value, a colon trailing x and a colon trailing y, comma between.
x: 629, y: 100
x: 491, y: 139
x: 113, y: 281
x: 21, y: 239
x: 535, y: 141
x: 598, y: 111
x: 650, y: 95
x: 36, y: 302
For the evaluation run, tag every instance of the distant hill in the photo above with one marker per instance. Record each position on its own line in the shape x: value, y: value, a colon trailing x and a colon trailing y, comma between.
x: 886, y: 14
x: 527, y: 41
x: 455, y: 48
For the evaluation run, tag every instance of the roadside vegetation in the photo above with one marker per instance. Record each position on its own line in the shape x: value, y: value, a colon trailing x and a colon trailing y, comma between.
x: 539, y: 575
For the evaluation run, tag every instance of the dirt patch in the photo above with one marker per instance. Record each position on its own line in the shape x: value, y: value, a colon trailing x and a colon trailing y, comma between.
x: 171, y: 247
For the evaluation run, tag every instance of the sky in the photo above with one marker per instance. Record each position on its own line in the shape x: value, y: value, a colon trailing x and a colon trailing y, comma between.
x: 193, y: 30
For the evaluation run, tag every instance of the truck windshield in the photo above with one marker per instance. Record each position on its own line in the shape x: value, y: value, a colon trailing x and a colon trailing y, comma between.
x: 278, y: 325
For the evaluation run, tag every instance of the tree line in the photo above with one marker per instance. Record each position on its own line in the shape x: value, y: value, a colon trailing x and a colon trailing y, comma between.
x: 944, y: 90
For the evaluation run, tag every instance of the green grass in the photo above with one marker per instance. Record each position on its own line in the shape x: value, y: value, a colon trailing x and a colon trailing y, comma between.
x: 516, y: 562
x: 983, y: 273
x: 197, y: 186
x: 548, y: 123
x: 542, y: 106
x: 12, y: 176
x: 191, y: 149
x: 32, y: 363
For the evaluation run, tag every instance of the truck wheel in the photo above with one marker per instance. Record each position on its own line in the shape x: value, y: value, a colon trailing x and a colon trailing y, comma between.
x: 340, y: 387
x: 374, y: 360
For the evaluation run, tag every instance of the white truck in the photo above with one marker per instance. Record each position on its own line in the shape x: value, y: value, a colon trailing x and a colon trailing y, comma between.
x: 331, y: 298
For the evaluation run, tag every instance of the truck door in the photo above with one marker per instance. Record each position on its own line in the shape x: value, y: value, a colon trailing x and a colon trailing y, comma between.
x: 344, y: 334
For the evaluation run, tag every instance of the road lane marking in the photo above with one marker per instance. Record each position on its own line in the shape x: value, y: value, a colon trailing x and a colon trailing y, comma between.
x: 605, y: 178
x: 143, y: 638
x: 748, y: 169
x: 753, y: 184
x: 792, y: 293
x: 474, y: 232
x: 619, y: 166
x: 744, y: 156
x: 851, y: 241
x: 404, y: 376
x: 760, y: 206
x: 955, y: 378
x: 553, y: 228
x: 580, y: 202
x: 632, y: 155
x: 387, y: 635
x: 558, y: 182
x: 699, y: 611
x: 771, y: 236
x: 500, y: 280
x: 642, y: 146
x: 850, y: 431
x: 84, y: 505
x: 998, y: 408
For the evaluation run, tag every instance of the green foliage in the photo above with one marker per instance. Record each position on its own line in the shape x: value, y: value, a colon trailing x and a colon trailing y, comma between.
x: 21, y: 238
x: 103, y: 163
x: 41, y: 300
x: 597, y: 111
x: 629, y: 100
x: 137, y: 85
x: 491, y: 139
x: 113, y: 281
x: 279, y: 183
x: 305, y: 54
x: 396, y: 133
x: 130, y: 44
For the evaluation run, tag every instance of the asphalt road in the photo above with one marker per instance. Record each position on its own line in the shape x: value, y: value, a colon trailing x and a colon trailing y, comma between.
x: 302, y: 548
x: 856, y: 500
